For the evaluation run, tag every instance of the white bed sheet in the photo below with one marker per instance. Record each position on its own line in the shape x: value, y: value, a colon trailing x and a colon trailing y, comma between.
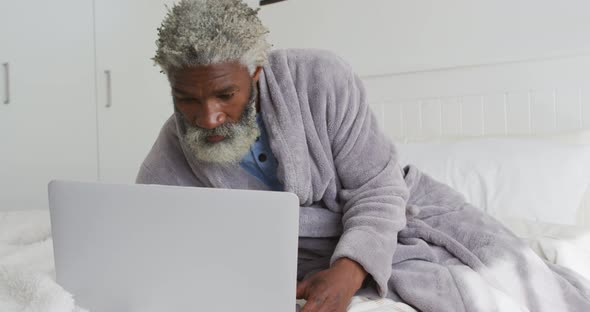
x: 27, y: 274
x: 568, y: 246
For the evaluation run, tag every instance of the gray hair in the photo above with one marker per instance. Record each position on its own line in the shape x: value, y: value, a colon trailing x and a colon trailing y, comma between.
x: 204, y: 32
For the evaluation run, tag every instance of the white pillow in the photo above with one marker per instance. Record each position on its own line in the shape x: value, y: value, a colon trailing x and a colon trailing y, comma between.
x: 533, y: 179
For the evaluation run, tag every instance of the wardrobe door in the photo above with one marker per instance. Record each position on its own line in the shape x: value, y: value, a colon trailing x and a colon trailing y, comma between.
x: 48, y: 108
x: 5, y: 110
x: 133, y: 96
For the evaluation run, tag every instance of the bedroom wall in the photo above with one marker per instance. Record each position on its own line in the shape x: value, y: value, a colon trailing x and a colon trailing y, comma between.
x: 392, y: 36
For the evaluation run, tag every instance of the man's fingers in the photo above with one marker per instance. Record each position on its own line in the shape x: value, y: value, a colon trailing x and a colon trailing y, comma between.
x: 322, y: 307
x: 301, y: 289
x: 313, y: 304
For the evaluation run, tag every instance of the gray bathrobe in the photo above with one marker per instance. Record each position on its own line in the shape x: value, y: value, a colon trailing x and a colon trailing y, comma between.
x: 420, y: 242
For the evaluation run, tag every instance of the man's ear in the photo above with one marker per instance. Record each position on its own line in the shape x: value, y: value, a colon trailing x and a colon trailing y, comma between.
x: 257, y: 73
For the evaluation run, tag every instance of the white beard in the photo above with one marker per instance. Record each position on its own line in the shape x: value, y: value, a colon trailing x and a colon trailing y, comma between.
x: 238, y: 137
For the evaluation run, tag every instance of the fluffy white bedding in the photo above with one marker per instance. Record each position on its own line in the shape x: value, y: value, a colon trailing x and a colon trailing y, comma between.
x: 26, y: 265
x: 27, y: 275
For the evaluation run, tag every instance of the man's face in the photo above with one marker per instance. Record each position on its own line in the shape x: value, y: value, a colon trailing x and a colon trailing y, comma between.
x: 218, y: 103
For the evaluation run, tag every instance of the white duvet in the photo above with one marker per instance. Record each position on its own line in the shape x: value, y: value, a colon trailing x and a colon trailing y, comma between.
x: 27, y: 274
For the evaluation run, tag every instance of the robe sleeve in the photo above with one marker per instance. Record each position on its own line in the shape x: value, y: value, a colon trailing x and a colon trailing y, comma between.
x: 373, y: 193
x: 147, y: 176
x: 165, y: 163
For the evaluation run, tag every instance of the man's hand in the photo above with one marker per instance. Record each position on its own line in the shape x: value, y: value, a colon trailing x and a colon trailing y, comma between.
x: 331, y: 290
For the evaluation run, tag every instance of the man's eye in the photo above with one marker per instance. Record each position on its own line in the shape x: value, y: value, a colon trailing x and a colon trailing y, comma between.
x: 226, y: 96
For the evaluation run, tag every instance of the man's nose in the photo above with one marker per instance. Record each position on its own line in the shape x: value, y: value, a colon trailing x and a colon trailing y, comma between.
x: 211, y: 117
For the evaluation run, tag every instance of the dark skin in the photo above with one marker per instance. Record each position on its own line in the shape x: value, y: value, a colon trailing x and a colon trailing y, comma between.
x: 332, y: 289
x: 211, y: 95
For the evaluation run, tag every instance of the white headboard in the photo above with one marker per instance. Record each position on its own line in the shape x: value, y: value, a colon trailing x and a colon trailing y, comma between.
x: 529, y: 97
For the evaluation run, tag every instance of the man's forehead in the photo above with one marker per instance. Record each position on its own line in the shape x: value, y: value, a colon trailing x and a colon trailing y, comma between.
x: 215, y: 76
x: 189, y: 90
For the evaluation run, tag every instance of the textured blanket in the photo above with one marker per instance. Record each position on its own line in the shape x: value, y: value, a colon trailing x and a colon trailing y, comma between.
x: 27, y: 273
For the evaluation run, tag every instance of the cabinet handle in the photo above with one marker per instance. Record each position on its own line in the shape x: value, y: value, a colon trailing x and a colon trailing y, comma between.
x: 6, y: 83
x: 109, y: 90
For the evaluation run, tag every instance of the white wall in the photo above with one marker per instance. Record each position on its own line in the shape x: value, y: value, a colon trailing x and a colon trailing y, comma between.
x: 392, y: 36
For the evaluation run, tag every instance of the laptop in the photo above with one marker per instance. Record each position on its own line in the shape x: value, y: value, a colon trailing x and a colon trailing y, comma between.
x: 148, y: 248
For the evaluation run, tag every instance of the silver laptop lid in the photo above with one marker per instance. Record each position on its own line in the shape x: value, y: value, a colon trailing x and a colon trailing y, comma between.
x: 164, y: 248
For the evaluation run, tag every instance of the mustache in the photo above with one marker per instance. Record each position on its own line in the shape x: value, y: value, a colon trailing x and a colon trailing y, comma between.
x: 222, y: 130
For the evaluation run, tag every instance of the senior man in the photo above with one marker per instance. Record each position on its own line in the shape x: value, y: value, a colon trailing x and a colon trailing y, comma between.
x: 297, y: 121
x: 292, y: 120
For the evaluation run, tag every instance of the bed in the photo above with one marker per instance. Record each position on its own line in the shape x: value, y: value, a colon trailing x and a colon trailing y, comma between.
x: 544, y: 99
x: 522, y: 128
x: 27, y: 272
